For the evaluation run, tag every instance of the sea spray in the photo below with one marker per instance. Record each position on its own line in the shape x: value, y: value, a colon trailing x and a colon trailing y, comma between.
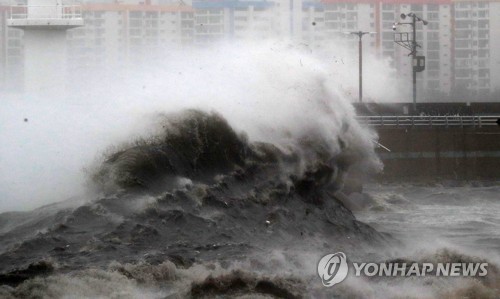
x: 272, y: 91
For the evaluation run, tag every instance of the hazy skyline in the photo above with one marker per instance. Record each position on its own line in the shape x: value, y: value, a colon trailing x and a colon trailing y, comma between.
x: 460, y: 44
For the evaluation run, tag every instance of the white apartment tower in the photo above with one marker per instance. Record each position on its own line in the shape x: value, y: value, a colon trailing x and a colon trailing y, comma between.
x: 476, y: 48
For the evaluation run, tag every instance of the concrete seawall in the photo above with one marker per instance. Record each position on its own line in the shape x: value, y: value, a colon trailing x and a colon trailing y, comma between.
x: 441, y: 152
x: 454, y: 140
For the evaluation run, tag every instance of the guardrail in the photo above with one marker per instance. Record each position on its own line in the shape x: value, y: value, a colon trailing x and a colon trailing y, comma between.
x: 441, y: 121
x: 45, y: 12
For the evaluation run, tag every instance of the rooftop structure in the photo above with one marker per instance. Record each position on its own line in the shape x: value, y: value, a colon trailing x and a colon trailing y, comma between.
x: 45, y: 14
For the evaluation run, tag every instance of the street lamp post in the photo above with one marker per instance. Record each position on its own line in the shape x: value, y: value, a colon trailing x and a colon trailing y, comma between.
x: 418, y: 62
x: 413, y: 57
x: 360, y: 59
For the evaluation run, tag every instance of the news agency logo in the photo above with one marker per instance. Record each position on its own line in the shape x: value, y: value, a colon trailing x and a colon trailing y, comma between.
x: 332, y: 269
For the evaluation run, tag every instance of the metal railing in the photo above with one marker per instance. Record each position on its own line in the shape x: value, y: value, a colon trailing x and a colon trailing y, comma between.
x: 45, y: 12
x: 442, y: 121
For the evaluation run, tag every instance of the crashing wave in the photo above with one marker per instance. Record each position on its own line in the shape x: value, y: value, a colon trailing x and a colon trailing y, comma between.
x: 194, y: 193
x: 201, y: 146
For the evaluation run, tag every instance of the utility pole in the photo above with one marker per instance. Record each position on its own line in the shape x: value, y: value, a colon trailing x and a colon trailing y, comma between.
x: 360, y: 59
x: 418, y: 62
x: 414, y: 57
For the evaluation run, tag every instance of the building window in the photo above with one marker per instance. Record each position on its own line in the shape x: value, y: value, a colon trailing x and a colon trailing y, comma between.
x: 387, y: 16
x: 387, y: 6
x: 432, y: 7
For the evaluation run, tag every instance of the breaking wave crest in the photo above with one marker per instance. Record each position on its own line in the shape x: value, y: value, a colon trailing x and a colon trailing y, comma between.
x: 197, y: 146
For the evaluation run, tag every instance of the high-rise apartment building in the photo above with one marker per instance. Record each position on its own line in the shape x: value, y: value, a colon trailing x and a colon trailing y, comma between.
x: 476, y: 48
x: 379, y: 16
x: 233, y: 19
x: 3, y: 45
x: 11, y: 53
x: 313, y: 24
x: 119, y: 32
x: 459, y: 42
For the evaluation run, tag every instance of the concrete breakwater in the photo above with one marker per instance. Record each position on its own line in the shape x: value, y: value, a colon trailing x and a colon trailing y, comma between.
x: 441, y: 147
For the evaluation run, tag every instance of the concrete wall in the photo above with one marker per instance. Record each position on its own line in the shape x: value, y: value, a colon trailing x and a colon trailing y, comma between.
x: 439, y: 152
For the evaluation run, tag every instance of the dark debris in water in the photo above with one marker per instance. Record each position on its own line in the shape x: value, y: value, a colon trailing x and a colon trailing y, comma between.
x: 239, y: 283
x: 16, y: 277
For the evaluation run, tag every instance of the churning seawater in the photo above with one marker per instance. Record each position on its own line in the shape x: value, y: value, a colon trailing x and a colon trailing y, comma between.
x: 466, y: 216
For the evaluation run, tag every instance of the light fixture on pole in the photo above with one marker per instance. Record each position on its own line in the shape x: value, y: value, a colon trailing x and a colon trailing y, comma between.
x: 360, y: 34
x: 403, y: 39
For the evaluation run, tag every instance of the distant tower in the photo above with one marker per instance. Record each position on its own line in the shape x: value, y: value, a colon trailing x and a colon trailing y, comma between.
x: 45, y: 23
